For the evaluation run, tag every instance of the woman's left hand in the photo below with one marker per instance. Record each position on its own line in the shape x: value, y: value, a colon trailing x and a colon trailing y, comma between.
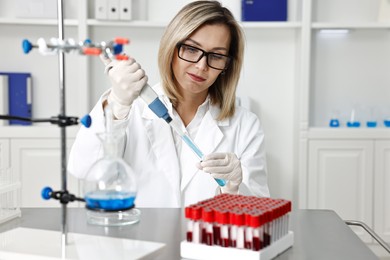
x: 224, y: 166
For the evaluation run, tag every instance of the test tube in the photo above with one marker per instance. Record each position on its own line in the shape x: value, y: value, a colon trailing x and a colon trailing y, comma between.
x: 237, y: 221
x: 207, y: 228
x: 190, y: 224
x: 197, y: 226
x: 217, y: 227
x: 174, y: 124
x: 248, y: 243
x: 223, y: 221
x: 267, y: 228
x: 257, y: 220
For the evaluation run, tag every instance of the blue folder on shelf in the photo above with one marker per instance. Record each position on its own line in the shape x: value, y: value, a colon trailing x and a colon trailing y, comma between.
x: 19, y: 96
x: 264, y: 10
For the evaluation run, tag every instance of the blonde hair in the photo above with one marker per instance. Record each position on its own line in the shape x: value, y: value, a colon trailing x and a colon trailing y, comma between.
x: 188, y: 20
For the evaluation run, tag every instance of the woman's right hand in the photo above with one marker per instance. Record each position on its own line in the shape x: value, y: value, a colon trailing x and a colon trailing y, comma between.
x: 127, y: 80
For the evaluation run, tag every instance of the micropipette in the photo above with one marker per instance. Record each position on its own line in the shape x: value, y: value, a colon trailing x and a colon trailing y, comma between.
x: 154, y: 103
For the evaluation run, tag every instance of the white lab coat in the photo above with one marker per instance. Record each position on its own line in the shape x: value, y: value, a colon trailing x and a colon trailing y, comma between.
x: 151, y: 152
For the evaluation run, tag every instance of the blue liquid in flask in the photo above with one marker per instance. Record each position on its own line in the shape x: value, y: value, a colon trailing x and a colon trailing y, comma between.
x: 110, y: 200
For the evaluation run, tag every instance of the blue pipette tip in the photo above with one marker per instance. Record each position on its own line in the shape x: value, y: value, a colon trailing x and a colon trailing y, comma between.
x: 220, y: 182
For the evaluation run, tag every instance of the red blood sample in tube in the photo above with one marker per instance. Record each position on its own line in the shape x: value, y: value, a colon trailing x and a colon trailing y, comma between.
x: 217, y: 234
x: 197, y: 218
x: 207, y: 229
x: 222, y: 219
x: 188, y: 215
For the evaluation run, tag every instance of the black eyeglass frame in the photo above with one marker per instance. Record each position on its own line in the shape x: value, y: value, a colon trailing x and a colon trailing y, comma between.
x: 204, y: 53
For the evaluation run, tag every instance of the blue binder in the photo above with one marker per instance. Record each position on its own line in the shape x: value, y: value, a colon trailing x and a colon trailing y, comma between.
x: 19, y: 96
x: 264, y: 10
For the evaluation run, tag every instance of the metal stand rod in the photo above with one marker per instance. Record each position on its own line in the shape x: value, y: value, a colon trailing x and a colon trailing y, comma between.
x: 61, y: 63
x: 369, y: 231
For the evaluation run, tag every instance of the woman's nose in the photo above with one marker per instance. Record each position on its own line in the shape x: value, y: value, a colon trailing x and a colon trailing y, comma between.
x: 202, y: 63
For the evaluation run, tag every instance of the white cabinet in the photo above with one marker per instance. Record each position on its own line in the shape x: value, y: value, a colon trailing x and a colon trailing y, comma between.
x: 4, y: 153
x: 352, y: 178
x: 38, y: 162
x: 340, y: 177
x: 382, y: 191
x: 34, y: 156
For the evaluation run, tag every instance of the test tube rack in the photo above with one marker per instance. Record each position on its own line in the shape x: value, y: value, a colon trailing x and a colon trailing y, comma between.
x: 237, y: 227
x: 9, y: 196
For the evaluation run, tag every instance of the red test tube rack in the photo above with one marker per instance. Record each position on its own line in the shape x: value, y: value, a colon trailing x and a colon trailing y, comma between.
x: 233, y: 226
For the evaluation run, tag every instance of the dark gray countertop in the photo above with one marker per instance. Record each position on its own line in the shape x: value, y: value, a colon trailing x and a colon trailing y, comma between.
x: 318, y: 234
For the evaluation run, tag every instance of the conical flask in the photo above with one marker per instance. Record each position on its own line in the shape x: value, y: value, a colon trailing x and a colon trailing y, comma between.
x: 110, y: 186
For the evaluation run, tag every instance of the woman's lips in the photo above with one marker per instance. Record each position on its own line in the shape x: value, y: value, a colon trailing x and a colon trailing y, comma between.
x: 196, y: 78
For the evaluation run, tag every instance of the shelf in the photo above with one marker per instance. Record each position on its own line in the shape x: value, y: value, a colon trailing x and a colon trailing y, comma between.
x: 142, y: 24
x: 155, y: 24
x: 49, y: 22
x: 271, y: 25
x: 348, y: 133
x: 373, y: 25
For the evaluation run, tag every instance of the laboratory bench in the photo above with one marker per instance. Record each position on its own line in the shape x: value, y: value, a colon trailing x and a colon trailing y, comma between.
x: 318, y: 234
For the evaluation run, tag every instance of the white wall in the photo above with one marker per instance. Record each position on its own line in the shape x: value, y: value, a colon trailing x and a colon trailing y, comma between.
x: 268, y: 78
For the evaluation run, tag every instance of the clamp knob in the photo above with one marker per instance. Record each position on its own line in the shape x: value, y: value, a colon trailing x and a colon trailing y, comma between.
x: 46, y: 193
x: 86, y: 121
x: 27, y: 46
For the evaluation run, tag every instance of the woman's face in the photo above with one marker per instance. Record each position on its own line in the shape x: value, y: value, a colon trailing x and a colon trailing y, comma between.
x: 194, y: 79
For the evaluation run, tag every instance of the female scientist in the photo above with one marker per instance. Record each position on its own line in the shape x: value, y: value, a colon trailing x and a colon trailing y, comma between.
x: 200, y: 59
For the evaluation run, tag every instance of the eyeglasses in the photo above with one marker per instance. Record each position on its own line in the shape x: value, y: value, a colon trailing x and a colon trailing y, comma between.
x: 193, y: 54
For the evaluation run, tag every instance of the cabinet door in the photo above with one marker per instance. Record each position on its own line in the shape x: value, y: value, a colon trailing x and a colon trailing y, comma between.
x: 38, y: 163
x: 382, y: 190
x: 4, y: 153
x: 340, y: 178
